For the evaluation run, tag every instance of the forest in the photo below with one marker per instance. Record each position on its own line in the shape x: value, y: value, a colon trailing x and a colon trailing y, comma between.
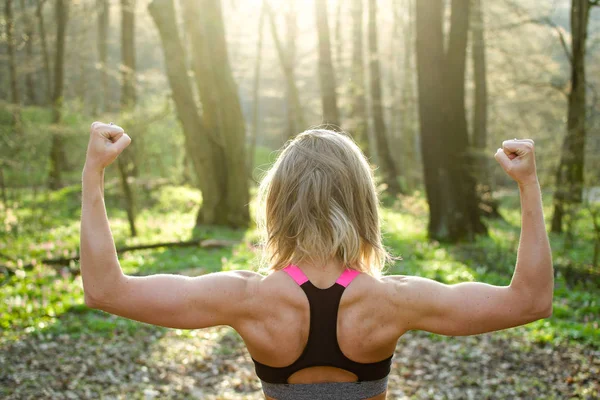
x: 210, y: 91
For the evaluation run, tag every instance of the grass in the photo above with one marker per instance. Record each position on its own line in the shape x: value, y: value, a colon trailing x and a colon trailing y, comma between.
x: 44, y: 301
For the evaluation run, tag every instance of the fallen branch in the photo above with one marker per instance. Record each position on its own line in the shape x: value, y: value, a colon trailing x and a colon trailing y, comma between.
x: 64, y: 263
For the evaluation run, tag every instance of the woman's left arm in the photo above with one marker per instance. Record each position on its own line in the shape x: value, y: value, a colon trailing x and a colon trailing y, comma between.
x: 168, y: 300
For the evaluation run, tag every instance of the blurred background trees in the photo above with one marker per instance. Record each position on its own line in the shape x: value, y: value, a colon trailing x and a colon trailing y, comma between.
x: 428, y: 90
x: 209, y: 90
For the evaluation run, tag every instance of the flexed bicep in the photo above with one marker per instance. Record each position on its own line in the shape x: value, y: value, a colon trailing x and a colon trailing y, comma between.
x: 462, y: 309
x: 177, y: 301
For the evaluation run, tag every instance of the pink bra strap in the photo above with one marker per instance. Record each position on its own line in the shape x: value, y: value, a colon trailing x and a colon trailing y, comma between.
x: 347, y: 276
x: 296, y: 274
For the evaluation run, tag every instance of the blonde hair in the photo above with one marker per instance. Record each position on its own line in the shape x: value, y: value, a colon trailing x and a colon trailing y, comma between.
x: 318, y: 202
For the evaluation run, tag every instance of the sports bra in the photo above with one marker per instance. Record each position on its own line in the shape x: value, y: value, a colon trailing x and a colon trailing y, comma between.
x: 322, y: 348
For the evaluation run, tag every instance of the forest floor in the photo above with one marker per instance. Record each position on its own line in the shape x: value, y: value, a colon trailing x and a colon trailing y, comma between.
x: 214, y: 364
x: 52, y: 346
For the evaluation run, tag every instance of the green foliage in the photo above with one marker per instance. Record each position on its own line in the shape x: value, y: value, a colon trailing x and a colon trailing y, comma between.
x: 47, y: 301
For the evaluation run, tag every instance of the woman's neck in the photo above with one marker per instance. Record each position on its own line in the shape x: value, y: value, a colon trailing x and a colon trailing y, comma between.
x: 322, y: 275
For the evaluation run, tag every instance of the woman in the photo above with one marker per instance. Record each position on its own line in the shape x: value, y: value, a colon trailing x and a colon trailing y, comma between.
x: 323, y: 324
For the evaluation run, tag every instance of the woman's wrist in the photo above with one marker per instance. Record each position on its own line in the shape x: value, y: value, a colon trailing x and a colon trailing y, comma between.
x: 91, y: 170
x: 529, y: 183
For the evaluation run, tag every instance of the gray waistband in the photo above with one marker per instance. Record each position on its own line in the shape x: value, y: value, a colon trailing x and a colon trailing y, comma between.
x: 325, y: 391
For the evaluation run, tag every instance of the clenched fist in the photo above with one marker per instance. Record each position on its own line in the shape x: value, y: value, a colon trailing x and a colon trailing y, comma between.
x: 517, y: 158
x: 107, y: 141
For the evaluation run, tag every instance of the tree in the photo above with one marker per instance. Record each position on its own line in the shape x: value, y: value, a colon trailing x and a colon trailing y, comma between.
x: 57, y: 151
x: 45, y: 54
x: 128, y: 96
x: 215, y: 143
x: 10, y: 44
x: 407, y: 111
x: 386, y: 163
x: 465, y: 214
x: 125, y: 163
x: 449, y: 184
x: 287, y: 59
x: 197, y: 139
x: 256, y: 89
x: 28, y: 38
x: 358, y: 108
x: 326, y: 73
x: 233, y: 126
x: 569, y: 174
x: 487, y: 203
x: 103, y: 10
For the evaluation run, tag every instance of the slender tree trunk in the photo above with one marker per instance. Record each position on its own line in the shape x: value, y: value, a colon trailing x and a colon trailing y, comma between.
x: 57, y: 151
x: 195, y: 131
x: 128, y: 96
x: 326, y: 73
x: 295, y: 113
x: 386, y: 163
x: 569, y: 175
x: 103, y: 10
x: 408, y: 131
x: 487, y: 204
x: 44, y: 47
x: 15, y: 96
x: 402, y: 135
x: 126, y: 162
x: 28, y: 37
x: 430, y: 55
x: 294, y: 107
x: 358, y: 109
x: 3, y: 187
x: 338, y: 36
x: 256, y: 90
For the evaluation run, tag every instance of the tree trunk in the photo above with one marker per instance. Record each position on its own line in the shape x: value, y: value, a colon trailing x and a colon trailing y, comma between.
x: 29, y: 83
x: 15, y: 97
x: 256, y: 90
x: 569, y: 175
x: 407, y: 106
x: 45, y: 55
x: 430, y: 55
x: 386, y: 163
x: 233, y: 126
x: 358, y: 110
x: 295, y: 113
x: 326, y: 73
x: 487, y: 204
x: 449, y: 183
x: 464, y: 215
x: 3, y: 187
x: 403, y: 112
x: 338, y: 35
x: 128, y: 96
x: 126, y: 162
x: 219, y: 157
x: 103, y: 9
x: 57, y: 151
x: 196, y: 135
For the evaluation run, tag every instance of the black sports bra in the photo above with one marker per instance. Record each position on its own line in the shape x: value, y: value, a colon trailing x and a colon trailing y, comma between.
x: 322, y: 348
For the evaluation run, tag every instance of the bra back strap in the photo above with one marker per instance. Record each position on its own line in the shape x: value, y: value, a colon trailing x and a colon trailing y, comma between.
x: 296, y: 274
x: 347, y: 276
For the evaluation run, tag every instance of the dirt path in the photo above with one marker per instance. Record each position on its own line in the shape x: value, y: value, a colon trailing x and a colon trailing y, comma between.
x: 213, y: 364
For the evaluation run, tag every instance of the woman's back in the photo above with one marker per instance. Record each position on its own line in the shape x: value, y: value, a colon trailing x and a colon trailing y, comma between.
x: 276, y: 332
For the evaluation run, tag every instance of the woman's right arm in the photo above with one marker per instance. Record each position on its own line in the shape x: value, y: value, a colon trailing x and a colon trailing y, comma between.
x: 473, y: 307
